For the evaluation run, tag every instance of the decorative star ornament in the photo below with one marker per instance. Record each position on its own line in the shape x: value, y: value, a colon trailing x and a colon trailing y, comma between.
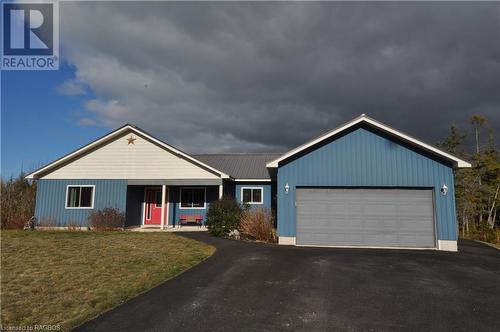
x: 131, y: 140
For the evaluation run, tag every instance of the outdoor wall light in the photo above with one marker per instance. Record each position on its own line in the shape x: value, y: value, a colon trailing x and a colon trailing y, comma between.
x: 287, y: 188
x: 444, y: 190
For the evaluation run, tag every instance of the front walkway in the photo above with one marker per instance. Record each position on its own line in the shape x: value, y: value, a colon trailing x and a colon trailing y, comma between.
x: 259, y: 287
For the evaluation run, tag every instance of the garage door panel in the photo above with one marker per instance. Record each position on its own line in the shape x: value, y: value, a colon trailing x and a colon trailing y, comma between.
x: 365, y: 217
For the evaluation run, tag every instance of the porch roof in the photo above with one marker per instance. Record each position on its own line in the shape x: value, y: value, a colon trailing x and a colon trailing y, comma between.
x: 175, y: 182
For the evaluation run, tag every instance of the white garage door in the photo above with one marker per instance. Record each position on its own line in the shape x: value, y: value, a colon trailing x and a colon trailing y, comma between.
x: 365, y: 217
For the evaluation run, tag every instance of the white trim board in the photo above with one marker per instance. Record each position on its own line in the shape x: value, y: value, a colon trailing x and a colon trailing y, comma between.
x: 447, y: 245
x: 112, y: 135
x: 79, y: 207
x: 166, y: 209
x: 253, y: 187
x: 286, y: 240
x: 193, y: 208
x: 252, y: 180
x: 366, y: 247
x: 443, y: 245
x: 379, y: 125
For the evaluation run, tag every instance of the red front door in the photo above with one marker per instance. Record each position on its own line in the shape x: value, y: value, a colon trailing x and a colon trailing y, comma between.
x: 152, y: 213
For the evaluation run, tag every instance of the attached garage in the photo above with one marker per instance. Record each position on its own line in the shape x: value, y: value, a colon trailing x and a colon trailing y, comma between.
x: 366, y: 184
x: 365, y: 217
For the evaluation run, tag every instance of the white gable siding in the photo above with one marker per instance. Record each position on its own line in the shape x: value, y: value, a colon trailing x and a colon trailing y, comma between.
x: 120, y: 160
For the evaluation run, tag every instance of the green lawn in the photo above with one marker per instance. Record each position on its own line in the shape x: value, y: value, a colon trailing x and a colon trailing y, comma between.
x: 67, y: 278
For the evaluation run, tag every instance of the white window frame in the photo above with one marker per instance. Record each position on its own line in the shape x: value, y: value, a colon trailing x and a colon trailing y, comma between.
x: 79, y: 207
x: 193, y: 208
x: 252, y: 202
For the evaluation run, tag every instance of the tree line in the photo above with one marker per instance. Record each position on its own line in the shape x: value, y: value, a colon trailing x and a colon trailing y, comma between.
x: 476, y: 188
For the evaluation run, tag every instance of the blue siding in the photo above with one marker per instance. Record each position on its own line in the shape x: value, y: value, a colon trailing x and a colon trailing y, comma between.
x: 212, y: 194
x: 51, y: 196
x: 135, y: 204
x: 266, y: 192
x: 362, y: 158
x: 229, y: 189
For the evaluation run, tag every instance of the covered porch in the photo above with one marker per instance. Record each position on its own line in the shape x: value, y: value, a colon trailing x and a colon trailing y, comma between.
x: 170, y: 204
x: 147, y: 229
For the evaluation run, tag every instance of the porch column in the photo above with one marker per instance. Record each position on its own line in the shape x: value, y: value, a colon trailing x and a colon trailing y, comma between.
x: 163, y: 196
x: 221, y: 191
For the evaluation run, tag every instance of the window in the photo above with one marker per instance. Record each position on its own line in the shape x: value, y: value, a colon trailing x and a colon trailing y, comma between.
x: 192, y: 198
x: 148, y: 205
x: 158, y: 199
x: 80, y: 197
x: 251, y: 195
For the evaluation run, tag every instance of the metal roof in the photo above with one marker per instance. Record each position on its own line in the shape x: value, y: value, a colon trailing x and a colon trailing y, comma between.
x: 240, y: 165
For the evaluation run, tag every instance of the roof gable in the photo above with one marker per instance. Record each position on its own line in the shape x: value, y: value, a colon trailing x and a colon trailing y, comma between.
x: 364, y: 158
x: 154, y: 148
x: 363, y: 119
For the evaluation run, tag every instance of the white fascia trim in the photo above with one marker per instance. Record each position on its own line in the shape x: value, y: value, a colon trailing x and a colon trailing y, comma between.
x: 447, y: 245
x: 460, y: 162
x: 252, y: 180
x: 79, y: 151
x: 117, y: 133
x: 171, y: 148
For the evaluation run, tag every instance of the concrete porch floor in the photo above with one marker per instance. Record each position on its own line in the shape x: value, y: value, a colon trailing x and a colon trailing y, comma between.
x: 167, y: 229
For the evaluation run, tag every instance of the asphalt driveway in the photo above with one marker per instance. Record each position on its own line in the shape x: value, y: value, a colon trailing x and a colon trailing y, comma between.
x: 246, y: 286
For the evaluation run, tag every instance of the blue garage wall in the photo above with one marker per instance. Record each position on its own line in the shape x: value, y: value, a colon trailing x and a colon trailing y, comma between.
x: 363, y: 158
x: 212, y: 194
x: 51, y: 196
x: 266, y: 192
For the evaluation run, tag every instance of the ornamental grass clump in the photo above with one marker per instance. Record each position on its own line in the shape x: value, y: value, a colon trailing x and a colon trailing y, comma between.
x: 258, y: 224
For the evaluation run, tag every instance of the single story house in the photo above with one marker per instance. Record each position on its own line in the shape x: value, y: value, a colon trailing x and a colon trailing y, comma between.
x: 363, y: 184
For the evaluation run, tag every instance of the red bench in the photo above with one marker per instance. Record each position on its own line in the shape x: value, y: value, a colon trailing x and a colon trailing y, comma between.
x: 196, y: 219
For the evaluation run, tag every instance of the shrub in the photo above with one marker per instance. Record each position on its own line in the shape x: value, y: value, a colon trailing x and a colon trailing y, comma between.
x: 17, y: 201
x: 223, y: 216
x: 259, y: 225
x: 483, y: 232
x: 106, y: 219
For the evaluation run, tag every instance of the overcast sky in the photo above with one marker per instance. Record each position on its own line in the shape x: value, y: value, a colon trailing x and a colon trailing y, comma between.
x: 214, y: 77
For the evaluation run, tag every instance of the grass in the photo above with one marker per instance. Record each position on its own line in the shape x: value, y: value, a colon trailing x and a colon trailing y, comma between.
x: 65, y: 278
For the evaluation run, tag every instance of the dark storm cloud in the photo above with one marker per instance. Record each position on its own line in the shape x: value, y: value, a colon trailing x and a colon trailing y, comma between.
x: 268, y: 76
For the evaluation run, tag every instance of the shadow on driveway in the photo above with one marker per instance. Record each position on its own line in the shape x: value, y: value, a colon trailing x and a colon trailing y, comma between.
x: 249, y: 286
